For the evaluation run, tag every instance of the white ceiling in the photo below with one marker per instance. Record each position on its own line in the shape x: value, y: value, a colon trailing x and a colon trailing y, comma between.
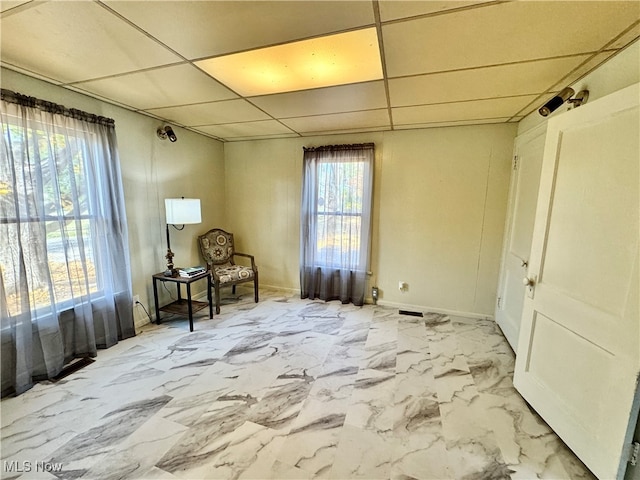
x: 444, y: 62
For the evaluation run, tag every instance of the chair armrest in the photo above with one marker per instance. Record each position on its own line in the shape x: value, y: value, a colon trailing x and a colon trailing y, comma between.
x: 212, y: 271
x: 253, y: 263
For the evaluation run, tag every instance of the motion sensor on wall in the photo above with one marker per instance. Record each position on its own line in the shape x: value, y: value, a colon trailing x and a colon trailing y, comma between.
x: 167, y: 132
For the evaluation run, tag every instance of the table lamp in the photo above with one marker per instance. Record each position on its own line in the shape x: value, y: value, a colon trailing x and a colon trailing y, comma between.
x: 179, y: 211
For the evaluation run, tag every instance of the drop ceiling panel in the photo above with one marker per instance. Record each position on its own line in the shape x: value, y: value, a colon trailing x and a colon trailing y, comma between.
x: 627, y: 37
x: 581, y: 70
x: 228, y: 111
x: 363, y: 96
x: 342, y: 132
x: 100, y: 43
x: 265, y: 128
x: 340, y: 121
x: 450, y: 112
x: 393, y: 10
x: 8, y: 4
x: 198, y: 29
x: 162, y: 87
x: 503, y: 33
x: 452, y: 124
x: 489, y: 82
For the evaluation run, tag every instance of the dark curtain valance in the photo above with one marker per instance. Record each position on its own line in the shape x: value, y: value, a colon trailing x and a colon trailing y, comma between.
x: 50, y: 107
x: 335, y: 148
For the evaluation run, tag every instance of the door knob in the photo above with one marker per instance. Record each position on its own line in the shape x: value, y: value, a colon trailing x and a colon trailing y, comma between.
x: 529, y: 283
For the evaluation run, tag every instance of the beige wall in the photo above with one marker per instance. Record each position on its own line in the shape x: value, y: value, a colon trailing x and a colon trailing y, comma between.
x: 442, y: 208
x: 152, y: 170
x: 439, y: 206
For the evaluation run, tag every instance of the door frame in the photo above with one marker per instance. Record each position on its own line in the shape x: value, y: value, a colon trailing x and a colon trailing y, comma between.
x: 508, y: 329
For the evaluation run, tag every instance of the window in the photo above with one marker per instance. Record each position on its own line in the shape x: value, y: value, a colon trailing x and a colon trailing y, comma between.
x: 339, y: 213
x: 335, y: 222
x: 65, y: 281
x: 62, y: 225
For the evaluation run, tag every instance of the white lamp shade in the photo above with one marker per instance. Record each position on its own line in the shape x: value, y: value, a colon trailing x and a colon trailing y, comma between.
x: 181, y: 211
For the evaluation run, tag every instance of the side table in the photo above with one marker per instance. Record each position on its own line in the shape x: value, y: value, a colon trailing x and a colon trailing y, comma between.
x: 181, y: 305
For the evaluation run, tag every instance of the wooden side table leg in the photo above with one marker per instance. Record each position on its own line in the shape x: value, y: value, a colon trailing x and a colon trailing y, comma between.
x: 155, y: 300
x: 190, y: 308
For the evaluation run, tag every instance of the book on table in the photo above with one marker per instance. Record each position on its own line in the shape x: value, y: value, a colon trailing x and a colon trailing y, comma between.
x: 191, y: 271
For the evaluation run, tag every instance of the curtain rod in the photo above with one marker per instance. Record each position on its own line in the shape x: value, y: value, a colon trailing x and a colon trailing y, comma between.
x: 329, y: 148
x: 50, y: 107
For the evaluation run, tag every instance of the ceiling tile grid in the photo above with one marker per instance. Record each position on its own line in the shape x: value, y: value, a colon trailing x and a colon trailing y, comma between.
x: 214, y: 113
x: 160, y: 87
x: 341, y: 99
x: 73, y: 41
x: 201, y: 29
x: 244, y: 130
x: 421, y: 63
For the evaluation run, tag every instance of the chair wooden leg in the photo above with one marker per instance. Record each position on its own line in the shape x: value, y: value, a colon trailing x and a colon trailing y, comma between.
x: 255, y: 287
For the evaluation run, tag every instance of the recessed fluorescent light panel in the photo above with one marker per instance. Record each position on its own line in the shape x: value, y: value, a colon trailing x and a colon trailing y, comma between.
x: 340, y: 59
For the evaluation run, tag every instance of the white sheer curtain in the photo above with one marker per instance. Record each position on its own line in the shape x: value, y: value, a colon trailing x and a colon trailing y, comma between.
x: 336, y: 222
x: 65, y: 284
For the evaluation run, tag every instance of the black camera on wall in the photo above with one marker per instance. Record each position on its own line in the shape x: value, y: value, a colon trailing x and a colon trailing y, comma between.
x: 564, y: 96
x: 167, y: 132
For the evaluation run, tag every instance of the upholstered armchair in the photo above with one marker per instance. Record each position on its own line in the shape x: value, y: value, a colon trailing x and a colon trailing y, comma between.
x: 218, y: 251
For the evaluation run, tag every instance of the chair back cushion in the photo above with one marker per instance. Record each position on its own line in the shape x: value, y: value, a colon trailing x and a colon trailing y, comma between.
x: 216, y: 247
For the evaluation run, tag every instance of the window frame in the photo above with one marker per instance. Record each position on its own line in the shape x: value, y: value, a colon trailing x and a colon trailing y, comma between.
x: 82, y: 149
x: 354, y: 252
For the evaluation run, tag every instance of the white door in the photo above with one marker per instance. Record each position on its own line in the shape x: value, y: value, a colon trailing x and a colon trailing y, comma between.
x: 579, y: 347
x: 523, y: 195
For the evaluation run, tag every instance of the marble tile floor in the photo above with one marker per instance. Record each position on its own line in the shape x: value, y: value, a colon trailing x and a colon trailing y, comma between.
x: 289, y: 389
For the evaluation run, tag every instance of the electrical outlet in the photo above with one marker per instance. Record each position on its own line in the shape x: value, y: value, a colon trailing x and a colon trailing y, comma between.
x: 136, y: 300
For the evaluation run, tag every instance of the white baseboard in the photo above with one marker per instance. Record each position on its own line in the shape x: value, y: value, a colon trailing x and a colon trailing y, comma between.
x: 444, y: 311
x: 283, y: 289
x: 248, y: 287
x: 401, y: 306
x: 199, y: 296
